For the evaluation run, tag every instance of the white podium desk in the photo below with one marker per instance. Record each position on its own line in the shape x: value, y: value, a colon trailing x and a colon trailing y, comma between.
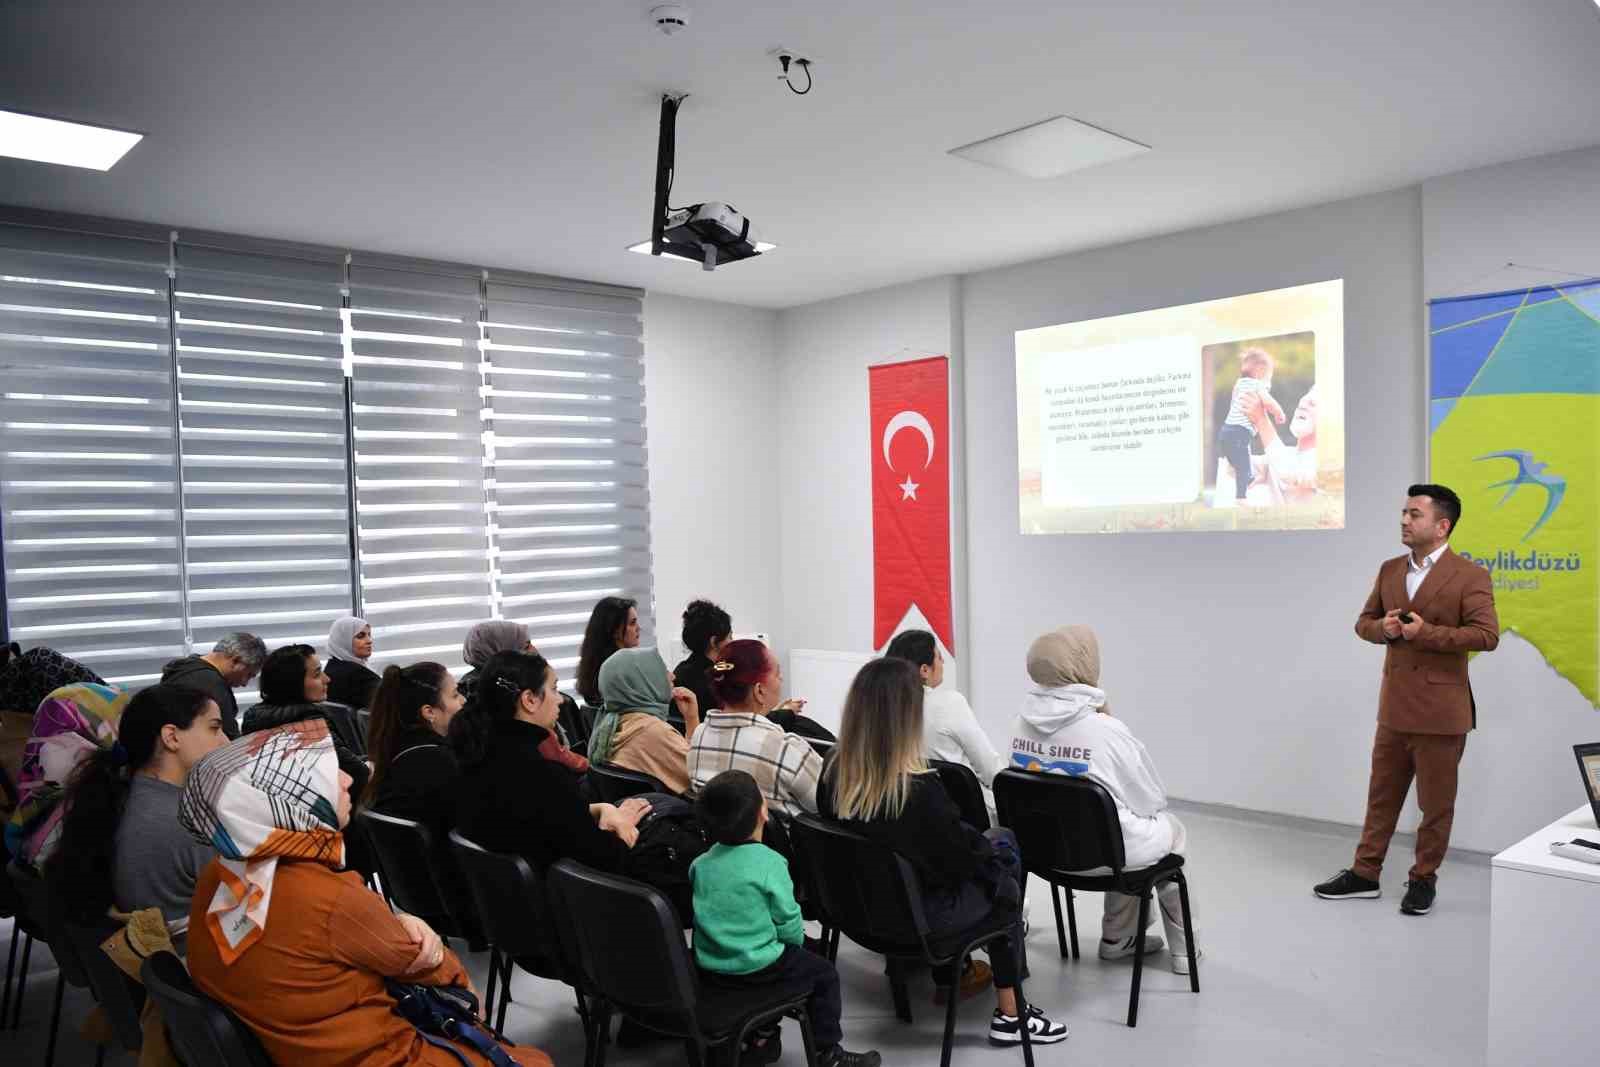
x: 1544, y: 950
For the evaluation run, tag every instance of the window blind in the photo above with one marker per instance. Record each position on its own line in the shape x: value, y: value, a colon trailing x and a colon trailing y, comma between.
x: 568, y: 495
x: 262, y: 409
x: 422, y: 528
x: 88, y: 458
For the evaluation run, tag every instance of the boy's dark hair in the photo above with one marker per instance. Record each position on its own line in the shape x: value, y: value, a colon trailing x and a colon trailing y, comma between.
x: 729, y: 806
x: 913, y: 645
x: 1445, y: 502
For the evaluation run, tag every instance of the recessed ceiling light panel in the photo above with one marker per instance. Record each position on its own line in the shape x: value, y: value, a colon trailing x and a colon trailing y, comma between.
x: 71, y: 144
x: 1051, y: 148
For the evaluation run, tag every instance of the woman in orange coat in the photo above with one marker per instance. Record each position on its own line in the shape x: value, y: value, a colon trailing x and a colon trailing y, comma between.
x: 297, y: 947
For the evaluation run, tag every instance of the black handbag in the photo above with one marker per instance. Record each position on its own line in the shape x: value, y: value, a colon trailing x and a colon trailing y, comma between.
x: 446, y: 1014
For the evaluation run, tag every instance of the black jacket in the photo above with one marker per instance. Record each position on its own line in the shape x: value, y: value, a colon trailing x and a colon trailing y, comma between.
x: 341, y: 724
x: 516, y: 801
x: 694, y: 674
x: 420, y: 782
x: 193, y: 672
x: 350, y: 684
x: 946, y: 852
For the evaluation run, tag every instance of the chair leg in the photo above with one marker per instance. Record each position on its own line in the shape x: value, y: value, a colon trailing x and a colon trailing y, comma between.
x: 1061, y: 929
x: 950, y: 1019
x: 897, y: 986
x: 22, y: 982
x: 494, y: 974
x: 602, y: 1032
x: 833, y: 945
x: 100, y: 1056
x: 1022, y: 1017
x: 808, y: 1039
x: 11, y: 969
x: 1188, y: 933
x: 505, y: 995
x: 1072, y: 922
x: 1138, y: 958
x: 55, y: 1021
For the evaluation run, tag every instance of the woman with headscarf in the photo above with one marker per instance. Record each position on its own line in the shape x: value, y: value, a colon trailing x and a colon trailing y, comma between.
x: 1065, y: 713
x: 633, y: 731
x: 295, y: 946
x: 350, y: 681
x: 487, y: 639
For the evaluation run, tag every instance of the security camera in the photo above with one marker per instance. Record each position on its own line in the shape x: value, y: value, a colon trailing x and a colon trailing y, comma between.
x: 670, y: 18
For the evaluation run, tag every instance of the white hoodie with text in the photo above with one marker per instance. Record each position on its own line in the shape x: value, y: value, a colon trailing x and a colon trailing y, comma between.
x: 1061, y: 731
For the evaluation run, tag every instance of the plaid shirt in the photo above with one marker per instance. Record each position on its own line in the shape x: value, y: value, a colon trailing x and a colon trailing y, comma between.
x: 783, y: 765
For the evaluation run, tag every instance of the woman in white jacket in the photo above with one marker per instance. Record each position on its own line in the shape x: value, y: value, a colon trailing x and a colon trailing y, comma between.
x: 1065, y: 728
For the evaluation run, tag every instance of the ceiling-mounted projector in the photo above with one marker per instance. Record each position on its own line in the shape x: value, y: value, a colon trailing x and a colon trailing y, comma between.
x: 709, y: 233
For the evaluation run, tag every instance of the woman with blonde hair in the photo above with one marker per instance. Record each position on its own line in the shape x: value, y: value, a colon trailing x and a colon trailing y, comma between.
x: 879, y: 784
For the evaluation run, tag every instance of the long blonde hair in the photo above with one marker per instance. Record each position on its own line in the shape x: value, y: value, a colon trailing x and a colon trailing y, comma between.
x: 880, y: 741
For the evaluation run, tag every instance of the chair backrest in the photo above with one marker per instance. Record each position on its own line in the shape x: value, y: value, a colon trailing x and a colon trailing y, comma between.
x: 513, y: 906
x: 864, y: 889
x: 39, y: 911
x: 120, y: 997
x: 965, y: 789
x: 627, y: 941
x: 1062, y: 822
x: 821, y: 746
x: 406, y: 856
x: 202, y: 1031
x: 615, y: 784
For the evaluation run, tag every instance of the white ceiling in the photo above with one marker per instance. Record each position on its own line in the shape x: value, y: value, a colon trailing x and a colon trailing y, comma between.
x: 522, y: 134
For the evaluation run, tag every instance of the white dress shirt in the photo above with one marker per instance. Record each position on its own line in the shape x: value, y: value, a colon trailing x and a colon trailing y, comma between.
x: 1416, y: 572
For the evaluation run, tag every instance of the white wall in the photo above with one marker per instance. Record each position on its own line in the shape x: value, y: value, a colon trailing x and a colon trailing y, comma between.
x: 1231, y: 655
x: 1539, y: 213
x: 713, y: 421
x: 826, y: 521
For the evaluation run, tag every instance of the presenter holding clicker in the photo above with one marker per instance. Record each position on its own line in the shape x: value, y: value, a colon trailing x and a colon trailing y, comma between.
x: 1431, y: 608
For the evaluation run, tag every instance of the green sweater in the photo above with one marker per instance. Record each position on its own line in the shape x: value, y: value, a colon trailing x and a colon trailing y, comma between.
x: 744, y: 909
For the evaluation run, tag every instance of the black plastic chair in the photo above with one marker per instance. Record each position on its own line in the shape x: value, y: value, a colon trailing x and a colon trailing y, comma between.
x: 515, y: 910
x: 41, y: 921
x: 119, y: 997
x: 202, y: 1031
x: 628, y: 941
x: 1066, y: 825
x: 821, y: 747
x: 875, y: 896
x: 614, y: 784
x: 965, y: 789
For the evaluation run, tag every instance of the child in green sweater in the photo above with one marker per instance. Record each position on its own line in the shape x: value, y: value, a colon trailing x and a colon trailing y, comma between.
x: 747, y: 926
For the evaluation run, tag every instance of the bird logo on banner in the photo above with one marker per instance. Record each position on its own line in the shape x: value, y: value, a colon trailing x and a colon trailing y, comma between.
x: 1531, y: 472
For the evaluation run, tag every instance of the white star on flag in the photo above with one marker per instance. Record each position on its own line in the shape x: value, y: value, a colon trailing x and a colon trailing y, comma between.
x: 908, y: 489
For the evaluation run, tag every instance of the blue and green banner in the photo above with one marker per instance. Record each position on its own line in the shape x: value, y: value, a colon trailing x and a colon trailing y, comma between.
x: 1514, y: 411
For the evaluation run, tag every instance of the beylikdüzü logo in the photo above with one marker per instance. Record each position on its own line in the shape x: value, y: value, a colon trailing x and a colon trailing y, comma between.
x: 1530, y: 472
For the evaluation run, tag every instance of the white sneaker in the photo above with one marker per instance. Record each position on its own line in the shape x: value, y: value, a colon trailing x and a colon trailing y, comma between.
x: 1121, y: 950
x: 1007, y: 1030
x: 1180, y: 961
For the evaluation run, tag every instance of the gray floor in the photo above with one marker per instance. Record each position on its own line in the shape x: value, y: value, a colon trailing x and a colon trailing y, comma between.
x: 1285, y: 977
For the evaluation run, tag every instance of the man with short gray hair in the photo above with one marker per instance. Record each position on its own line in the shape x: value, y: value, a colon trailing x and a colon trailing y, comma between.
x: 232, y: 662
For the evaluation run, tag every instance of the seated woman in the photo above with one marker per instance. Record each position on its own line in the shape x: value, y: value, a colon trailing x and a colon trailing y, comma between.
x: 613, y: 624
x: 296, y: 947
x: 633, y: 730
x: 503, y: 635
x: 878, y: 783
x: 414, y: 769
x: 510, y: 797
x: 1065, y: 709
x: 747, y: 684
x: 706, y: 628
x: 294, y: 689
x: 121, y: 845
x: 350, y: 681
x: 950, y: 730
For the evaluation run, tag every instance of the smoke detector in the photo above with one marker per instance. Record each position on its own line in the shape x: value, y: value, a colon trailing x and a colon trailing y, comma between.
x: 670, y: 18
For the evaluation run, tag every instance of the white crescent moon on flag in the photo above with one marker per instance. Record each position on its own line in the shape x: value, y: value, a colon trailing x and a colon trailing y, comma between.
x: 907, y: 420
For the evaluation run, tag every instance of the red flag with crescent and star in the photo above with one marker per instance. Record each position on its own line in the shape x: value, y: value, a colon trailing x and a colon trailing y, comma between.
x: 910, y: 406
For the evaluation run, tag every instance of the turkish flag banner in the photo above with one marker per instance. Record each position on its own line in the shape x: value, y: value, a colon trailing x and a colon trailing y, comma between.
x: 910, y: 405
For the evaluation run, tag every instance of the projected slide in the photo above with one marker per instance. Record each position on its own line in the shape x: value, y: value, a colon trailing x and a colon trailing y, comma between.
x: 1226, y: 415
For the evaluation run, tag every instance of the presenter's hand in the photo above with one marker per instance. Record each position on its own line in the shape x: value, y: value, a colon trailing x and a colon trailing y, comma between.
x: 1391, y: 623
x: 1409, y: 630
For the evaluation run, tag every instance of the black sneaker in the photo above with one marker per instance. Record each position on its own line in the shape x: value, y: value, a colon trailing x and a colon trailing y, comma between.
x: 839, y: 1056
x: 1348, y: 885
x: 1419, y: 897
x: 1007, y: 1030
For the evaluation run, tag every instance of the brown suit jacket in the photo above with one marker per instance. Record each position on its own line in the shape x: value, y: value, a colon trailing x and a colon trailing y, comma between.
x: 1425, y: 688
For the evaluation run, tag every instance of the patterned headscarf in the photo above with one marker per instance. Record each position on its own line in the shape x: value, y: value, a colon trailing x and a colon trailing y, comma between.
x: 71, y: 723
x: 487, y: 638
x: 342, y: 636
x: 267, y: 796
x: 631, y: 679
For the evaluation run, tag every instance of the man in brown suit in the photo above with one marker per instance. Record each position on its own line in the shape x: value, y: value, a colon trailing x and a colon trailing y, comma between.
x: 1430, y: 608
